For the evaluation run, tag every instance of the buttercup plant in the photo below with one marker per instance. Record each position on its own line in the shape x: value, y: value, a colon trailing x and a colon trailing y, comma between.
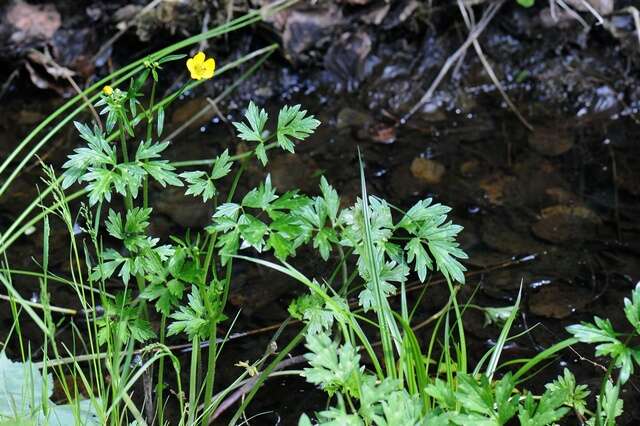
x: 359, y: 330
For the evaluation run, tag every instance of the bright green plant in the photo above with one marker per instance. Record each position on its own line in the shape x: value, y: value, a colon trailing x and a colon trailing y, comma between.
x: 182, y: 283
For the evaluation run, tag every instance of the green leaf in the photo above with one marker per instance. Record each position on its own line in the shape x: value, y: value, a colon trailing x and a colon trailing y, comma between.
x: 261, y: 153
x: 252, y: 230
x: 257, y: 119
x: 198, y: 183
x: 331, y: 200
x: 162, y: 172
x: 261, y: 197
x: 280, y: 245
x: 160, y: 121
x: 526, y: 3
x: 416, y: 251
x: 221, y: 165
x: 148, y: 150
x: 632, y: 308
x: 333, y: 368
x: 229, y: 210
x: 190, y: 319
x: 170, y: 58
x: 575, y: 395
x: 23, y: 392
x: 602, y: 332
x: 292, y: 123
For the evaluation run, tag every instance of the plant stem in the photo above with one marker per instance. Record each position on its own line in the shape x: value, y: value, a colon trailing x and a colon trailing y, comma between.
x: 160, y: 384
x: 128, y: 200
x: 193, y: 381
x: 211, y: 372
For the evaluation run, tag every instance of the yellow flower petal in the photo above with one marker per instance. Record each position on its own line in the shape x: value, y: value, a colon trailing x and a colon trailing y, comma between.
x: 209, y: 68
x: 200, y: 67
x: 191, y: 66
x: 107, y: 90
x: 199, y: 58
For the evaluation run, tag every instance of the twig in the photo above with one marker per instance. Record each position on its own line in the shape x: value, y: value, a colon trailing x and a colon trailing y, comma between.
x: 7, y: 83
x: 467, y: 15
x: 486, y: 18
x: 575, y: 15
x: 633, y: 11
x: 239, y: 393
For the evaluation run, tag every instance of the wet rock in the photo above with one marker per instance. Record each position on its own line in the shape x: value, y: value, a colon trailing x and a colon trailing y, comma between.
x: 291, y: 171
x: 26, y: 25
x: 501, y: 237
x: 174, y: 16
x: 558, y: 300
x: 187, y: 110
x: 186, y: 211
x: 551, y: 141
x: 483, y: 258
x: 561, y: 223
x: 428, y: 171
x: 346, y: 59
x: 382, y: 133
x: 303, y: 29
x: 404, y: 185
x: 365, y: 127
x: 349, y: 117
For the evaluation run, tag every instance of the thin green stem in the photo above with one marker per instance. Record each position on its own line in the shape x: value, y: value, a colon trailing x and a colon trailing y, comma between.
x: 160, y: 384
x: 193, y: 381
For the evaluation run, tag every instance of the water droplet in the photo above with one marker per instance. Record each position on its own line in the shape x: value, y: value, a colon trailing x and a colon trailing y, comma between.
x: 35, y: 297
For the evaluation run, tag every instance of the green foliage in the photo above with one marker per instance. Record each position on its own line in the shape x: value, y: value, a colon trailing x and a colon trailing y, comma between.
x: 611, y: 406
x: 428, y: 224
x: 526, y: 3
x: 293, y: 124
x: 98, y: 166
x: 196, y: 318
x: 575, y: 395
x: 121, y: 316
x: 24, y: 394
x: 202, y: 183
x: 609, y: 342
x: 384, y: 246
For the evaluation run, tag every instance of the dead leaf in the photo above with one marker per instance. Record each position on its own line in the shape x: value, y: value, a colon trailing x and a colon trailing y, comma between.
x: 551, y: 141
x: 494, y: 187
x: 429, y: 171
x: 562, y: 223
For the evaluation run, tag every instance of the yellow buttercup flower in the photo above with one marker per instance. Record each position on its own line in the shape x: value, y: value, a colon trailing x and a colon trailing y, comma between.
x: 200, y: 67
x: 107, y: 90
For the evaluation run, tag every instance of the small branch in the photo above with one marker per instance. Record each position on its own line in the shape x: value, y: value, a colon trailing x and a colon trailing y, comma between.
x: 489, y: 13
x: 246, y: 388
